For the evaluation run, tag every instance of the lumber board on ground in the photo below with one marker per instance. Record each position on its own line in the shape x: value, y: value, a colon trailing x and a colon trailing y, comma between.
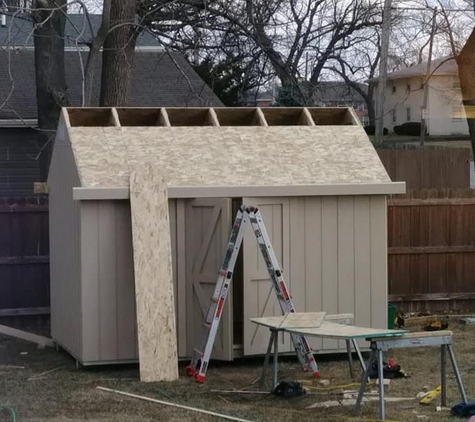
x: 158, y: 356
x: 24, y: 335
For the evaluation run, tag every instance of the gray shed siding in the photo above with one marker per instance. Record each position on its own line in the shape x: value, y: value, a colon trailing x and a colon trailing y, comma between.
x: 107, y: 288
x: 334, y: 254
x: 65, y: 252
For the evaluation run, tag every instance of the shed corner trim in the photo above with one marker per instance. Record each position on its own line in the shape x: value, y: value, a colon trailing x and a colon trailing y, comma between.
x: 100, y: 193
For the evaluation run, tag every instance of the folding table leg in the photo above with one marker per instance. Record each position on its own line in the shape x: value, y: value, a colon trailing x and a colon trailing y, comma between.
x: 350, y: 357
x: 276, y: 357
x: 457, y: 373
x: 382, y: 404
x: 443, y: 375
x: 266, y: 360
x: 360, y: 357
x: 364, y: 381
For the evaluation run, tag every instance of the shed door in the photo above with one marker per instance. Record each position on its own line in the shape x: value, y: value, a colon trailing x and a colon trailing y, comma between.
x: 259, y: 296
x: 208, y: 224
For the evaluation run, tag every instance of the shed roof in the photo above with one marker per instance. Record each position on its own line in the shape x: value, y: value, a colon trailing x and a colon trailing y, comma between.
x: 228, y: 152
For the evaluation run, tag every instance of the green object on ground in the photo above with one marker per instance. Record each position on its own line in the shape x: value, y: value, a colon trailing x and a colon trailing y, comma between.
x: 391, y: 315
x: 10, y: 410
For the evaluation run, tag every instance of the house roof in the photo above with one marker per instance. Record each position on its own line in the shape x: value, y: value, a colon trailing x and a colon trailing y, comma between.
x: 159, y: 79
x: 230, y: 159
x: 337, y: 91
x: 439, y: 67
x: 18, y: 31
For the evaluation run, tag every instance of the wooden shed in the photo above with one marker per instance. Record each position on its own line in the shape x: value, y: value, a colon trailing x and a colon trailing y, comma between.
x: 313, y: 173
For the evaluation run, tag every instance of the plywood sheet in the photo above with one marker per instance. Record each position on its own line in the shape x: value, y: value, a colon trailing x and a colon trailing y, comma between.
x: 153, y: 276
x: 228, y: 156
x: 334, y: 330
x: 296, y: 320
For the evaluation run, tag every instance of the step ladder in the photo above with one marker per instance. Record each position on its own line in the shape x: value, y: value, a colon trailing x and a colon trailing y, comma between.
x: 201, y: 357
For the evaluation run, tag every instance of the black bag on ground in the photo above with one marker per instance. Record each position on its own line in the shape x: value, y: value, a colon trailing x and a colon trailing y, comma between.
x: 289, y: 389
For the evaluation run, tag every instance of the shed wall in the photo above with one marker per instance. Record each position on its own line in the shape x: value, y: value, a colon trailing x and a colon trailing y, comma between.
x: 108, y: 291
x: 334, y: 255
x: 65, y: 270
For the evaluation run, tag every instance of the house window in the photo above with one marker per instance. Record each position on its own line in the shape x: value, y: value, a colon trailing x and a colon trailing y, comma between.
x: 457, y: 113
x: 408, y: 114
x: 408, y: 87
x: 394, y: 89
x: 394, y: 115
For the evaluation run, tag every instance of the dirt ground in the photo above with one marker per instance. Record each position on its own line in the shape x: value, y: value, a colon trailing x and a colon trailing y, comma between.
x: 67, y: 394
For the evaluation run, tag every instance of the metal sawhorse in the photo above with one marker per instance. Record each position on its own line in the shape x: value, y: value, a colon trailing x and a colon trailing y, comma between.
x: 421, y: 339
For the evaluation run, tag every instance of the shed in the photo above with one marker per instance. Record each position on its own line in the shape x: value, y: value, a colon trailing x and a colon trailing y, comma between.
x: 313, y: 173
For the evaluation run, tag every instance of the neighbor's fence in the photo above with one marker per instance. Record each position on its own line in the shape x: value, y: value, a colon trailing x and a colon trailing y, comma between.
x: 428, y: 168
x: 24, y: 256
x: 432, y: 250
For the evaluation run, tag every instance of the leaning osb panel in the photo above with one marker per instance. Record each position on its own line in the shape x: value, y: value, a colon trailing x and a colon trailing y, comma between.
x: 153, y: 276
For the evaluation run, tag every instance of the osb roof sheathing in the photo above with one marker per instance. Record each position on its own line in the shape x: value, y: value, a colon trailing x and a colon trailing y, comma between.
x: 228, y: 156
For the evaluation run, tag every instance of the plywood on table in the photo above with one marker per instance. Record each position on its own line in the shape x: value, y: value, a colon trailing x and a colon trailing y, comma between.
x: 304, y: 155
x: 153, y: 276
x: 297, y: 320
x: 329, y: 329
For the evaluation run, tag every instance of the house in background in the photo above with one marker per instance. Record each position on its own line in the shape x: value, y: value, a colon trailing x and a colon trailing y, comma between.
x: 326, y: 94
x: 341, y: 94
x: 405, y: 93
x: 159, y: 79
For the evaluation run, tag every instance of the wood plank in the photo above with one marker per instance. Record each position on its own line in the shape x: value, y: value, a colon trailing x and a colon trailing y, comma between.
x: 181, y: 278
x: 25, y: 311
x: 430, y: 202
x: 422, y: 250
x: 107, y: 280
x: 362, y: 251
x: 153, y: 276
x: 379, y: 269
x: 23, y: 260
x: 126, y: 313
x: 346, y: 257
x: 330, y: 261
x: 23, y: 335
x: 431, y: 296
x: 24, y: 208
x: 89, y: 285
x: 313, y: 259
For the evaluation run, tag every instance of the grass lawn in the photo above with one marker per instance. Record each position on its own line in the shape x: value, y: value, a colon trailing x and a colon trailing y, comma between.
x: 68, y: 394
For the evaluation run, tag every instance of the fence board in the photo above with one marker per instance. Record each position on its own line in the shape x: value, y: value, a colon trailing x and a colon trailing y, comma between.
x: 432, y: 250
x: 24, y: 256
x: 431, y: 168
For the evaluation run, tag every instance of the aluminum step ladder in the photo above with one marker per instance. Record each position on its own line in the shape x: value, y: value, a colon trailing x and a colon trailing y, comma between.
x: 201, y: 357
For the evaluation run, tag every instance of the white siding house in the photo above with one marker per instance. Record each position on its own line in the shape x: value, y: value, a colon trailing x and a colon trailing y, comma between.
x: 405, y: 94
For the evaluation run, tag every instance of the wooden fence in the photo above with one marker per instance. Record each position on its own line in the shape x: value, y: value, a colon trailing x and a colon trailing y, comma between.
x: 432, y: 250
x: 24, y: 256
x: 428, y: 168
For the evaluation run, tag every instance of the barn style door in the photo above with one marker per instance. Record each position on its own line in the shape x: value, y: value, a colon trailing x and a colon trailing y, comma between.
x: 208, y: 223
x: 259, y: 296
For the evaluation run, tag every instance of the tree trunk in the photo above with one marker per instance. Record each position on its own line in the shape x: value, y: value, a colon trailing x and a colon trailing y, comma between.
x: 51, y: 92
x: 118, y: 53
x: 370, y: 103
x: 466, y: 65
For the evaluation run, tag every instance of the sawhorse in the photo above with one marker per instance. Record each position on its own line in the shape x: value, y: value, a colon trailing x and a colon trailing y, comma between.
x: 422, y: 339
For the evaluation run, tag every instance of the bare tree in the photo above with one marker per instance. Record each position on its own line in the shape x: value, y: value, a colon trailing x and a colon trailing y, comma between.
x: 281, y: 32
x: 49, y: 18
x: 118, y: 54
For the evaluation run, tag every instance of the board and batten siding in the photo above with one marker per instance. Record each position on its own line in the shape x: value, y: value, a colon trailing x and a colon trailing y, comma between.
x: 108, y: 290
x: 65, y: 270
x: 335, y: 260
